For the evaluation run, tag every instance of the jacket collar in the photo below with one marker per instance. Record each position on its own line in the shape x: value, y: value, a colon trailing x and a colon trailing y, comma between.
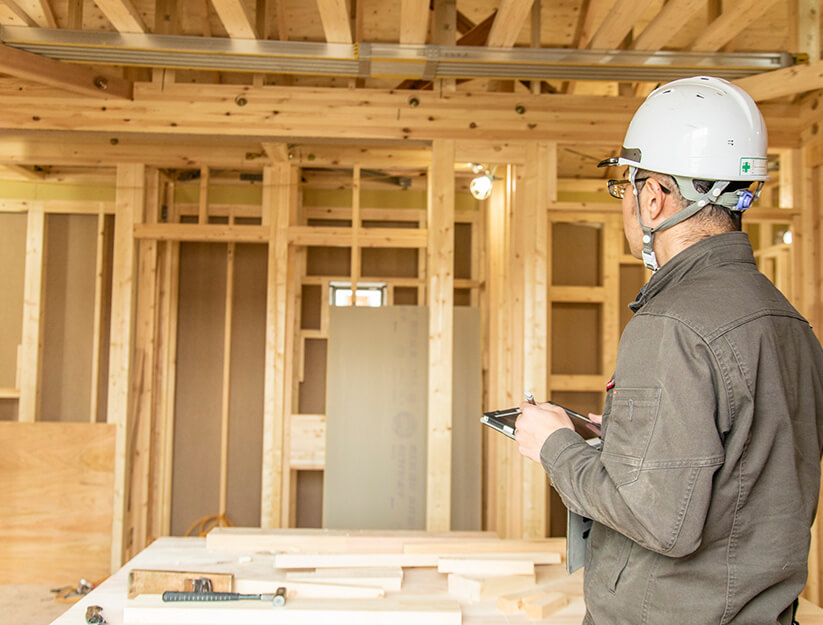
x: 728, y: 247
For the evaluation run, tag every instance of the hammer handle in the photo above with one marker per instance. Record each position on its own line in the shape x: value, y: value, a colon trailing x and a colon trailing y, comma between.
x: 176, y: 595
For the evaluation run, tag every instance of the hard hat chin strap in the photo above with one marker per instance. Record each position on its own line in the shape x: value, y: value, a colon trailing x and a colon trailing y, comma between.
x: 697, y: 204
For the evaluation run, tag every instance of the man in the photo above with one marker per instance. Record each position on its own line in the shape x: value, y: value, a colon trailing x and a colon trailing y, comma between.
x: 707, y: 483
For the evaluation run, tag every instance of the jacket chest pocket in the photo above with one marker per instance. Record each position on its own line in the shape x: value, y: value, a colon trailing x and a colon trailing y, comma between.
x: 631, y: 421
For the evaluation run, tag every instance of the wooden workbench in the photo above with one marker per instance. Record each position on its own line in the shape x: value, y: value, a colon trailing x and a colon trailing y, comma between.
x: 424, y: 585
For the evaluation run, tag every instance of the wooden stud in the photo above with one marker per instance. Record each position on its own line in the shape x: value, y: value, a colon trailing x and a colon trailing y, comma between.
x: 203, y: 213
x: 440, y: 277
x: 33, y: 285
x: 130, y: 200
x: 97, y: 324
x: 355, y: 233
x: 444, y: 33
x: 225, y: 405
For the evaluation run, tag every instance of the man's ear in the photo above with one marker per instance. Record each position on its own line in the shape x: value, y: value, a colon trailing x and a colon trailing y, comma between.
x: 653, y: 202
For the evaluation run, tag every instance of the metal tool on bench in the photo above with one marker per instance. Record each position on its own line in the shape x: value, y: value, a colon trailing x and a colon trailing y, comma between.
x: 278, y: 599
x: 94, y: 615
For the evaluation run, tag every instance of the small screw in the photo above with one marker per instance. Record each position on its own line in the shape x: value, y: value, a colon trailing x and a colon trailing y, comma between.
x: 101, y: 83
x: 241, y: 101
x: 519, y: 109
x: 414, y: 102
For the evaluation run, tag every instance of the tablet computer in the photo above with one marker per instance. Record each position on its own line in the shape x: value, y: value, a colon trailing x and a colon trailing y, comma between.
x: 504, y: 420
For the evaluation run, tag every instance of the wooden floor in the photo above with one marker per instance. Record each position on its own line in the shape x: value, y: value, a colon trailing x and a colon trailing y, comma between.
x: 33, y: 604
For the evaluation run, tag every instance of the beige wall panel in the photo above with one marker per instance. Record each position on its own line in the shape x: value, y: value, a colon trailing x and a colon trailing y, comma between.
x: 247, y: 368
x: 309, y: 499
x: 57, y: 506
x: 311, y: 301
x: 71, y: 247
x: 576, y: 250
x: 312, y: 396
x: 388, y: 262
x: 376, y: 426
x: 12, y: 261
x: 328, y: 261
x: 575, y: 339
x: 199, y: 379
x: 462, y: 251
x: 632, y: 279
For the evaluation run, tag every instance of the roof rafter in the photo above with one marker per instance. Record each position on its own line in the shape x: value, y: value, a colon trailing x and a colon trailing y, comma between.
x: 511, y: 15
x: 39, y: 11
x: 414, y: 21
x: 68, y: 76
x: 783, y: 82
x: 335, y: 17
x: 123, y: 16
x: 672, y: 17
x: 12, y: 14
x: 235, y: 18
x: 617, y: 24
x: 736, y: 18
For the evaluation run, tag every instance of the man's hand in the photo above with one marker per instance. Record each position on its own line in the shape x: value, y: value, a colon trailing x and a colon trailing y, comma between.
x: 535, y: 424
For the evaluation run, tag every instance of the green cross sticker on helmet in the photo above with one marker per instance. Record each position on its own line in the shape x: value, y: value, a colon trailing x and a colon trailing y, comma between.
x: 753, y: 166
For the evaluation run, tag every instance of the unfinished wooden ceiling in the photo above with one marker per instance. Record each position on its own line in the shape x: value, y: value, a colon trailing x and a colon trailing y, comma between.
x: 706, y: 26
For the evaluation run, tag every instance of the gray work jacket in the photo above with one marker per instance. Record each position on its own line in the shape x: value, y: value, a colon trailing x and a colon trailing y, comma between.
x: 707, y: 484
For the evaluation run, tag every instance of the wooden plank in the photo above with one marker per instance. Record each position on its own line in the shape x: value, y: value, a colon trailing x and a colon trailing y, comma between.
x: 807, y: 26
x: 348, y: 560
x: 612, y: 242
x: 497, y: 564
x: 474, y: 588
x: 39, y: 11
x: 203, y: 204
x: 243, y: 539
x: 32, y: 337
x: 414, y: 21
x: 618, y: 23
x: 225, y: 396
x: 782, y: 82
x: 511, y: 16
x: 514, y: 602
x: 277, y: 194
x: 736, y: 17
x: 62, y: 75
x: 307, y: 448
x: 485, y: 546
x: 368, y: 237
x: 97, y: 329
x: 389, y: 579
x: 151, y: 582
x: 355, y: 232
x: 13, y: 15
x: 440, y: 276
x: 674, y: 15
x: 235, y: 18
x: 334, y: 15
x: 47, y: 535
x: 196, y: 232
x: 546, y: 604
x: 123, y: 15
x: 308, y: 589
x: 130, y: 204
x: 398, y: 611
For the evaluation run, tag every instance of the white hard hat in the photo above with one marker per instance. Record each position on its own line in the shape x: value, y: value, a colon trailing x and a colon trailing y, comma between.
x: 703, y: 128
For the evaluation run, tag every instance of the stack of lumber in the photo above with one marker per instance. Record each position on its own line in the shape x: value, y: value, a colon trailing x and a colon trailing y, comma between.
x: 357, y: 577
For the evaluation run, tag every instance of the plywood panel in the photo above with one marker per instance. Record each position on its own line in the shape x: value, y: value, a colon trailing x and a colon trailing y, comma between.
x: 246, y: 410
x: 71, y: 244
x: 389, y: 262
x: 576, y: 250
x: 56, y: 517
x: 575, y: 342
x: 12, y: 256
x: 199, y: 378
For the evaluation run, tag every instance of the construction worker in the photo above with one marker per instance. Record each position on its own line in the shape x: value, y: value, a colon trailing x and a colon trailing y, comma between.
x: 707, y: 483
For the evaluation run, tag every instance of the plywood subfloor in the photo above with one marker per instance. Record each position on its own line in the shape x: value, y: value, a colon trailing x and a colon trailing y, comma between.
x: 33, y: 604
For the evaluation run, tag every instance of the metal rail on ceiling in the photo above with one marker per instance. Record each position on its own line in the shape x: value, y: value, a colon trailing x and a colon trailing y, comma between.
x: 364, y: 60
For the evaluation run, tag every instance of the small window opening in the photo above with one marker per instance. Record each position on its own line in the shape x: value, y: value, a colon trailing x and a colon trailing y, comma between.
x: 368, y: 294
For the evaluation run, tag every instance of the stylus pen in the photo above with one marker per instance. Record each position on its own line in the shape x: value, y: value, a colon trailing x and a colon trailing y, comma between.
x: 529, y: 397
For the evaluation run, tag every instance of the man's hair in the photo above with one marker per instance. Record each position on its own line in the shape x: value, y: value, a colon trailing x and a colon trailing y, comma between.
x: 712, y: 218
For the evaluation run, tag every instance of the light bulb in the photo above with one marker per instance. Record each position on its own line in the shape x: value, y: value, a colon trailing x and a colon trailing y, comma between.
x: 481, y: 187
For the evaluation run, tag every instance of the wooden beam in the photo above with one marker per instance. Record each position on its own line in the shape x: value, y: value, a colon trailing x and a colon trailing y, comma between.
x: 783, y: 82
x: 225, y: 397
x: 62, y: 75
x: 123, y: 15
x: 24, y: 172
x: 335, y: 17
x: 235, y: 18
x: 736, y: 18
x: 440, y: 277
x: 278, y: 187
x: 674, y: 15
x: 74, y: 15
x: 13, y: 15
x: 807, y: 26
x: 39, y: 11
x: 617, y: 24
x: 32, y: 349
x: 511, y: 16
x: 131, y: 187
x: 414, y: 21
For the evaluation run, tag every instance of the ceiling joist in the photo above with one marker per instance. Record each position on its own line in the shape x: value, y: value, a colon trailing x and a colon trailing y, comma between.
x: 235, y: 18
x: 335, y: 17
x: 68, y: 76
x: 509, y: 22
x: 39, y: 11
x: 122, y: 15
x: 13, y: 15
x: 414, y: 21
x: 783, y: 82
x: 736, y: 18
x: 618, y: 23
x: 666, y: 24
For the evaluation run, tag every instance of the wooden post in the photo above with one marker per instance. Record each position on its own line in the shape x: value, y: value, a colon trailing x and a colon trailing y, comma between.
x: 541, y: 176
x: 277, y: 191
x: 32, y: 348
x: 131, y: 187
x: 203, y: 212
x: 355, y: 233
x: 226, y: 391
x: 440, y: 278
x: 97, y: 332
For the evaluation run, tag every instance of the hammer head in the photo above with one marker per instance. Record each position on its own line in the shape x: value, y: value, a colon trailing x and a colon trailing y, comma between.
x: 279, y: 597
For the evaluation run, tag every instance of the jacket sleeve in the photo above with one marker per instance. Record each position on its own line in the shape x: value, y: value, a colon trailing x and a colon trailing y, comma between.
x: 652, y: 482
